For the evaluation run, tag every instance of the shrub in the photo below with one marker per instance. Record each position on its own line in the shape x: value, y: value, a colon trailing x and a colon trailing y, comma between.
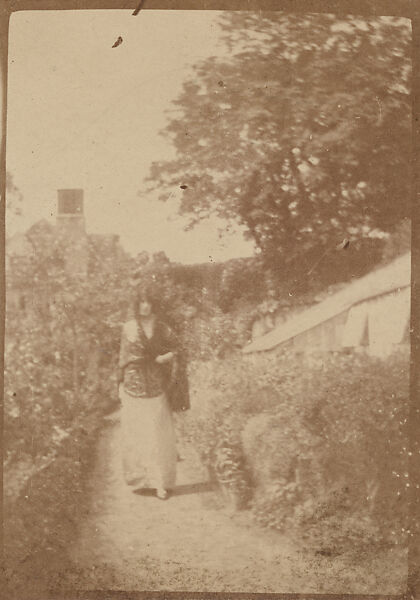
x: 60, y: 357
x: 322, y: 445
x: 213, y: 426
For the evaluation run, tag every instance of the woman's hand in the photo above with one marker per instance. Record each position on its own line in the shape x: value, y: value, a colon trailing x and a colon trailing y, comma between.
x: 164, y: 358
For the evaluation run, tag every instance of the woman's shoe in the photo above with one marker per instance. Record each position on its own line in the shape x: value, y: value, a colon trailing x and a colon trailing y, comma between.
x: 162, y: 494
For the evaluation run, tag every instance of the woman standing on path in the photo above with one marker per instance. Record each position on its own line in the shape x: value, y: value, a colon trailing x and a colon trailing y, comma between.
x: 148, y: 375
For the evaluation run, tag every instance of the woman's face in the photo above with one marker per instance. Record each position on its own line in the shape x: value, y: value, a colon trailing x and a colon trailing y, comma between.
x: 145, y: 308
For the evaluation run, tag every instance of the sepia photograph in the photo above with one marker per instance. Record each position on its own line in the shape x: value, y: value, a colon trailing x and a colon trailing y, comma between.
x: 208, y: 283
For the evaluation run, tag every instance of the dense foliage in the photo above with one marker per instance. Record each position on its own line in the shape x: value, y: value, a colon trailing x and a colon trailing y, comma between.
x: 302, y: 135
x: 61, y: 344
x: 61, y: 348
x: 321, y: 448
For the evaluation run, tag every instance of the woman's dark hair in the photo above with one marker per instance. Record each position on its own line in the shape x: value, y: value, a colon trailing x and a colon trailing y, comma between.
x: 146, y: 291
x: 151, y: 286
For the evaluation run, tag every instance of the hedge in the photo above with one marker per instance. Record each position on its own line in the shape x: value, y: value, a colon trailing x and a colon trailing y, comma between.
x: 318, y: 449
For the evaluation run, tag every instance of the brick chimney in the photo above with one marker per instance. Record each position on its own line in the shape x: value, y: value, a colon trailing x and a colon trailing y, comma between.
x: 70, y: 216
x: 71, y: 230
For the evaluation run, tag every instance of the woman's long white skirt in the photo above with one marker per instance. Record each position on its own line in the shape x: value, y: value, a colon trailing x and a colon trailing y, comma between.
x: 148, y: 442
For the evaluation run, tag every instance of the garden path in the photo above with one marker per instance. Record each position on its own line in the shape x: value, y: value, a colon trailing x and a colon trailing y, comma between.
x: 189, y: 542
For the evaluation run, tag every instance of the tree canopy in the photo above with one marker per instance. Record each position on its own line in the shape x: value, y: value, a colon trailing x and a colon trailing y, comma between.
x: 302, y: 133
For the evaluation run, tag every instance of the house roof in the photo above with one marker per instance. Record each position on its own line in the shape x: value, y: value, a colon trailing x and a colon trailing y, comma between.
x: 395, y: 275
x: 19, y: 243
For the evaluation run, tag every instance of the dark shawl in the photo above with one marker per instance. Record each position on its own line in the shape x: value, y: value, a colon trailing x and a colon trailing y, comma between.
x: 142, y: 376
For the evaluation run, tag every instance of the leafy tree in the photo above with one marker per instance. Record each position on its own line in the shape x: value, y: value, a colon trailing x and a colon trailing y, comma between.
x: 302, y: 135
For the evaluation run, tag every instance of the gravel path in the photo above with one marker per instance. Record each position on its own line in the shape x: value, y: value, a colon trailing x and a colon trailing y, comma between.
x: 190, y: 542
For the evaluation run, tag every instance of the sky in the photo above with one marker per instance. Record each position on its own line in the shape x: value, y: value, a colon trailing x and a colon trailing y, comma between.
x: 82, y: 114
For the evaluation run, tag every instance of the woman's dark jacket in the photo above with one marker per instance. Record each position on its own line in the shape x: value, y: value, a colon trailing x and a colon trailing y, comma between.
x: 142, y: 376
